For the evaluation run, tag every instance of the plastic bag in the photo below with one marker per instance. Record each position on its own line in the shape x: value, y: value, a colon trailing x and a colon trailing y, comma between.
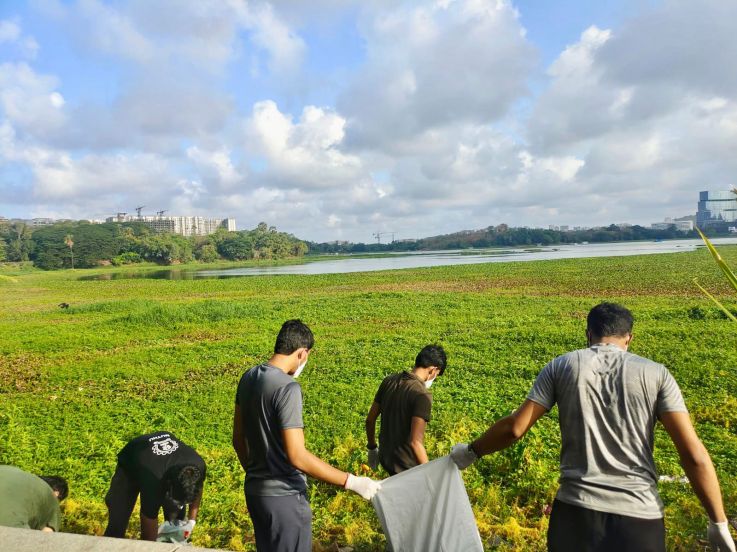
x: 177, y: 531
x: 427, y: 508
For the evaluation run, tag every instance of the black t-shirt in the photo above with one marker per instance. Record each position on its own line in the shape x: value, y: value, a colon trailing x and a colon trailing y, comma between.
x: 400, y: 397
x: 147, y: 458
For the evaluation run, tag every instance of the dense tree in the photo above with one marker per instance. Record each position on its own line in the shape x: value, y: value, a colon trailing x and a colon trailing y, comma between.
x: 17, y: 237
x: 83, y: 244
x: 503, y: 235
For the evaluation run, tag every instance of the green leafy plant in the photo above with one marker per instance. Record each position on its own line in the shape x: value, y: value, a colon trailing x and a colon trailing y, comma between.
x: 731, y: 278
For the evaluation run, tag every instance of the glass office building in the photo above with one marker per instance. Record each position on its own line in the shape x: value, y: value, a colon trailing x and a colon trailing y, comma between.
x: 716, y: 207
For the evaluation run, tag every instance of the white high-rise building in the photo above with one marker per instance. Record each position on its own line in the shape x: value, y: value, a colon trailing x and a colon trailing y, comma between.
x: 184, y: 226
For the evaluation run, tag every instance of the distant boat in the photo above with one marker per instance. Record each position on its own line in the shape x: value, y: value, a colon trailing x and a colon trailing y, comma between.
x: 657, y: 240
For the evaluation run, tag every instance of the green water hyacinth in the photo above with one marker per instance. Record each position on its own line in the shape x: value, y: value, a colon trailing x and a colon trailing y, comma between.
x: 727, y: 272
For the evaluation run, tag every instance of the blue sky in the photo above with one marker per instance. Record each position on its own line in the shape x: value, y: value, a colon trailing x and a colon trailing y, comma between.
x: 341, y: 118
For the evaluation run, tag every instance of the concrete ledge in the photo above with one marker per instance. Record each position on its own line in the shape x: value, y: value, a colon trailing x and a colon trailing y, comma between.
x: 27, y: 540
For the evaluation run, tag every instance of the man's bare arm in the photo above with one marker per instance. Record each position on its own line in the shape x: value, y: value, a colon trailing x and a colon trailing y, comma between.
x: 417, y: 439
x: 305, y: 461
x: 509, y: 429
x: 371, y: 417
x: 194, y: 508
x: 239, y: 438
x: 696, y: 463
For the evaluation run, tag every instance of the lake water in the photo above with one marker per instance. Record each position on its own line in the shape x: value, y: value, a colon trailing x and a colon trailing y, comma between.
x: 323, y: 265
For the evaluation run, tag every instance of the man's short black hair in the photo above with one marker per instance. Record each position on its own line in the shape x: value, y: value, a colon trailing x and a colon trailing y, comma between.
x: 294, y: 334
x: 609, y: 319
x: 58, y: 484
x: 183, y: 483
x: 431, y: 355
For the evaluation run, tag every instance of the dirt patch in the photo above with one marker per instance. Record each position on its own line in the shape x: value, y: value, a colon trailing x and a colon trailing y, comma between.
x: 20, y: 373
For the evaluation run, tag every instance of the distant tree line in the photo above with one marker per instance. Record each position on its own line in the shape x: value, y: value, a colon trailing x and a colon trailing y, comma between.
x: 503, y: 235
x: 83, y: 245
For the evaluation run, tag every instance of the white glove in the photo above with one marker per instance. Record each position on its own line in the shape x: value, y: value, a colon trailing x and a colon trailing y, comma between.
x: 365, y: 486
x: 373, y: 458
x: 719, y: 537
x: 463, y: 455
x: 187, y: 528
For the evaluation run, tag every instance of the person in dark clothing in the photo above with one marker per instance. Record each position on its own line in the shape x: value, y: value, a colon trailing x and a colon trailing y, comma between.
x: 404, y: 404
x: 166, y: 473
x: 268, y: 437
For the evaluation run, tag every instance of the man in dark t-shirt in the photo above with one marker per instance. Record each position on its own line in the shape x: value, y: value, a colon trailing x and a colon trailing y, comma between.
x: 404, y: 404
x: 269, y: 440
x: 166, y: 473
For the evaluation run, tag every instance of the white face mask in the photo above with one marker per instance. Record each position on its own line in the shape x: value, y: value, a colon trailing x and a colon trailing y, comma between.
x: 429, y: 383
x: 299, y: 369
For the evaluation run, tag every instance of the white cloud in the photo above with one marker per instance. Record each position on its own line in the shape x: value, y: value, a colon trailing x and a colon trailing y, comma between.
x: 110, y: 31
x: 305, y: 153
x: 434, y: 65
x: 29, y: 100
x: 433, y: 132
x: 652, y: 115
x: 216, y: 166
x: 271, y: 34
x: 9, y: 31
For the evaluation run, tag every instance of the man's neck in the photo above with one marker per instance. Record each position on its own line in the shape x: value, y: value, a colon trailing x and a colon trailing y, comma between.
x: 421, y: 373
x: 617, y: 341
x: 283, y: 362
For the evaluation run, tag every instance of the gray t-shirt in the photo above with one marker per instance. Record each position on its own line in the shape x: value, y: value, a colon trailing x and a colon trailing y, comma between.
x: 609, y: 401
x: 270, y: 402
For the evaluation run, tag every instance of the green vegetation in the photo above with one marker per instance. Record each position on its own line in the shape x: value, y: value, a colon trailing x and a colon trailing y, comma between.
x: 731, y: 278
x: 131, y: 356
x: 502, y: 235
x: 57, y: 246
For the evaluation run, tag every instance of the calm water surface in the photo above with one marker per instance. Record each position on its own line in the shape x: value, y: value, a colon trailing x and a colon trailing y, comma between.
x: 427, y: 259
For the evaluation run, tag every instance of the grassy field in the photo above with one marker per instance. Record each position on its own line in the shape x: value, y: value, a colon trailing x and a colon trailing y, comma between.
x: 132, y: 356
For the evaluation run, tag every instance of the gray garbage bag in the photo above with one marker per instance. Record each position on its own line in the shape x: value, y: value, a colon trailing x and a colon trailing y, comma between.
x: 427, y: 509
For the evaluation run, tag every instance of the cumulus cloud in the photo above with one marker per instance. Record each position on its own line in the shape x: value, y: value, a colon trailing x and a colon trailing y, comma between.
x: 435, y: 129
x: 651, y: 114
x: 9, y: 31
x: 304, y: 153
x: 29, y: 100
x: 433, y: 65
x: 12, y: 35
x: 271, y: 34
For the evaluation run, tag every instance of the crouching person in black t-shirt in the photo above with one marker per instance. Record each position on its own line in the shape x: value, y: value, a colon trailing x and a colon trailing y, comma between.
x: 166, y: 473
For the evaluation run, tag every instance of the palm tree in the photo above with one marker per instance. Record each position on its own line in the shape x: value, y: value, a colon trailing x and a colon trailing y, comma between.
x: 70, y: 244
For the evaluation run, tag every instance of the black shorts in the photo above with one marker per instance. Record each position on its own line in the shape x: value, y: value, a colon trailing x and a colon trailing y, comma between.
x: 576, y: 529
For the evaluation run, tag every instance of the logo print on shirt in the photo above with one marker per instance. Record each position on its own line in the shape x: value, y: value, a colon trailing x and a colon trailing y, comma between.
x: 167, y: 446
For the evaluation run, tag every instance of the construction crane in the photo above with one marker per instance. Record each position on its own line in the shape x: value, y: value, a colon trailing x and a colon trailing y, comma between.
x: 121, y: 217
x: 161, y: 213
x: 378, y: 235
x: 138, y: 210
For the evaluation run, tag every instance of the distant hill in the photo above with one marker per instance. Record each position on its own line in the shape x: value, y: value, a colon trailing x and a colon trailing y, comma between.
x: 503, y: 235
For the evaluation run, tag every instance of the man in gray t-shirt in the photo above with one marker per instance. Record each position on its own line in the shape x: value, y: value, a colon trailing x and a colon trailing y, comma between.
x: 609, y: 401
x: 268, y: 438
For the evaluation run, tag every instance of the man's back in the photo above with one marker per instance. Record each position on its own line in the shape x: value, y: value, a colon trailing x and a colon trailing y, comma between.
x: 26, y: 501
x: 400, y: 397
x: 270, y: 402
x: 147, y: 458
x: 609, y: 401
